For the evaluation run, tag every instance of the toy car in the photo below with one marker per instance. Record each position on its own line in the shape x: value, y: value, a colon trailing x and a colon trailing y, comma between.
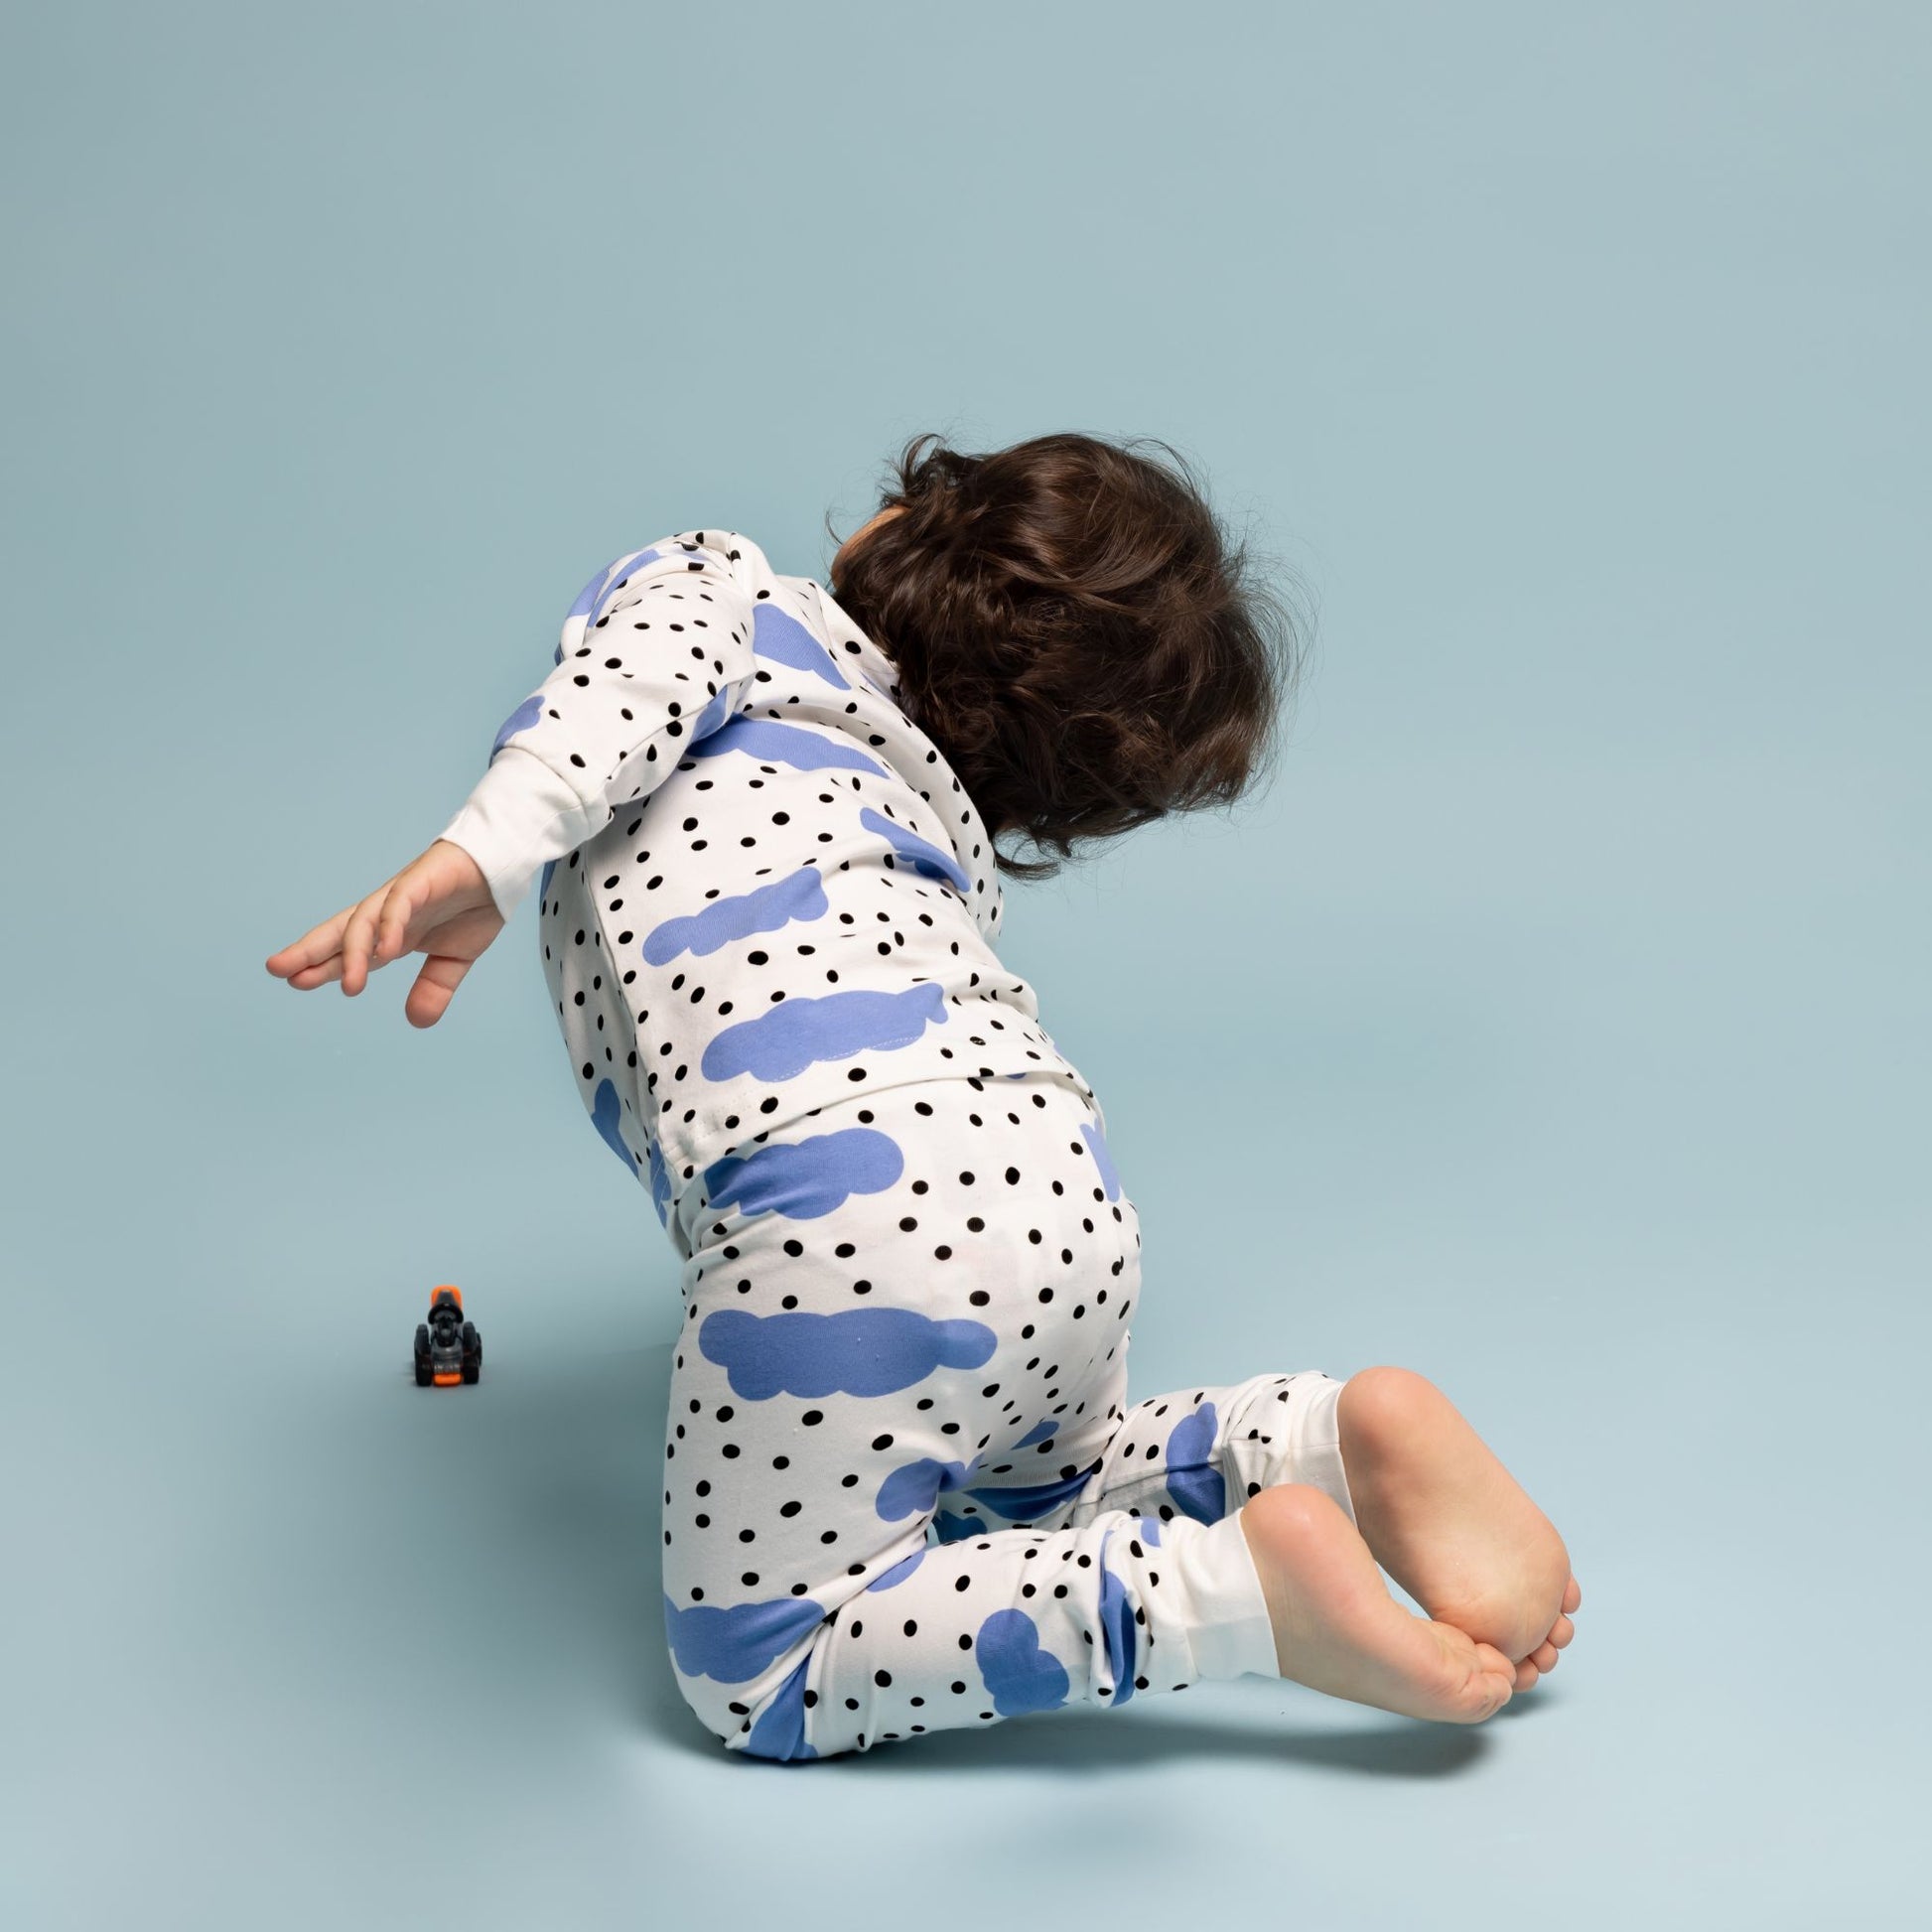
x: 449, y: 1349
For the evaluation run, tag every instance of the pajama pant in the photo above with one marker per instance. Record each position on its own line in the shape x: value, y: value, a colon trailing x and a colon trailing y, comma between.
x: 903, y: 1490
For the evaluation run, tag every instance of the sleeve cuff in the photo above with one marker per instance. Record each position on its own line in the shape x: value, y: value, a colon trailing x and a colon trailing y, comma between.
x: 521, y: 815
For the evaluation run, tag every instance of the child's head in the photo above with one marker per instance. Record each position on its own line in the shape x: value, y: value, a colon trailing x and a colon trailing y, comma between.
x: 1074, y: 630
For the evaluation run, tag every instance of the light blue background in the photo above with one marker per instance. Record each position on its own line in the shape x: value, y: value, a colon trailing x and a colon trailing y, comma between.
x: 1556, y: 1022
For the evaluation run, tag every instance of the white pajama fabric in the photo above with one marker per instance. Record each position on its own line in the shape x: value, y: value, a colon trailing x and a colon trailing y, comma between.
x: 903, y: 1487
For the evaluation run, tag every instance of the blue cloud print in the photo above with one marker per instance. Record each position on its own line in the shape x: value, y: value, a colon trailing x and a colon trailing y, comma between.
x: 786, y: 1039
x: 711, y: 720
x: 914, y: 1487
x: 897, y: 1573
x: 779, y: 1732
x: 735, y: 1643
x: 858, y: 1351
x: 806, y: 1178
x: 520, y: 720
x: 607, y: 579
x: 1192, y: 1480
x: 925, y: 859
x: 771, y: 742
x: 1117, y: 1621
x: 592, y: 594
x: 779, y: 635
x: 1019, y: 1670
x: 660, y: 1186
x: 607, y: 1112
x: 1097, y: 1147
x: 800, y: 897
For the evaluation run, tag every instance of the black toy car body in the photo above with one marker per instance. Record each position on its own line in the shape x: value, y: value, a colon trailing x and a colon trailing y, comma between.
x: 449, y: 1349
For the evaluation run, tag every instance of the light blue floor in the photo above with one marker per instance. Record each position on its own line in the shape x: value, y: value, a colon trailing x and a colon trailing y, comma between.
x: 1555, y: 1024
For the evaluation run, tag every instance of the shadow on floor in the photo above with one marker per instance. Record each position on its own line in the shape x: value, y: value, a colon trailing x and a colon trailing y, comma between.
x: 1070, y: 1743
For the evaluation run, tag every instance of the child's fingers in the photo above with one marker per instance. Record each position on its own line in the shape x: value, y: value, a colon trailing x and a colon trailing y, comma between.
x: 405, y: 900
x: 317, y: 944
x: 429, y: 998
x: 359, y: 938
x: 311, y: 977
x: 362, y: 936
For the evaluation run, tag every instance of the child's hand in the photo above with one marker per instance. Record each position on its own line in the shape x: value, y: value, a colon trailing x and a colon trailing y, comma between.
x: 439, y: 905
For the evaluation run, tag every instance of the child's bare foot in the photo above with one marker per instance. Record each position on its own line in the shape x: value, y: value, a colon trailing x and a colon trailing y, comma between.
x: 1449, y: 1523
x: 1338, y: 1629
x: 1543, y: 1656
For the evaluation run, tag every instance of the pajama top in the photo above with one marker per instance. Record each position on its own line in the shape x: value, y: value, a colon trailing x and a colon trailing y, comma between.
x: 790, y: 795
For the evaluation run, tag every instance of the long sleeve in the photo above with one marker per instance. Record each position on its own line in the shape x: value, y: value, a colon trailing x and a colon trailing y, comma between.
x: 656, y: 655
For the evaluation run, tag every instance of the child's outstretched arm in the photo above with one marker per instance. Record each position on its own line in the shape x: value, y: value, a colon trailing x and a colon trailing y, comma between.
x: 656, y: 654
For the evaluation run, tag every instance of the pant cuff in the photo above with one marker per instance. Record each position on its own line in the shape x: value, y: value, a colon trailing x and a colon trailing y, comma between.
x: 1230, y: 1633
x: 1314, y: 1434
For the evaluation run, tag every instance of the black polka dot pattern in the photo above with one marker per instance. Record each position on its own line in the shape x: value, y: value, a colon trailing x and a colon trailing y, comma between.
x: 1003, y: 1534
x: 903, y: 1490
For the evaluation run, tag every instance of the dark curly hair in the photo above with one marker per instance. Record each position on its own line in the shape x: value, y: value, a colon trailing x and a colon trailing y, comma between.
x: 1074, y: 631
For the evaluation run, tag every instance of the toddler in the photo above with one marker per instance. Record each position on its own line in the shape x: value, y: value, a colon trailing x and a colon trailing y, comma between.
x: 905, y: 1489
